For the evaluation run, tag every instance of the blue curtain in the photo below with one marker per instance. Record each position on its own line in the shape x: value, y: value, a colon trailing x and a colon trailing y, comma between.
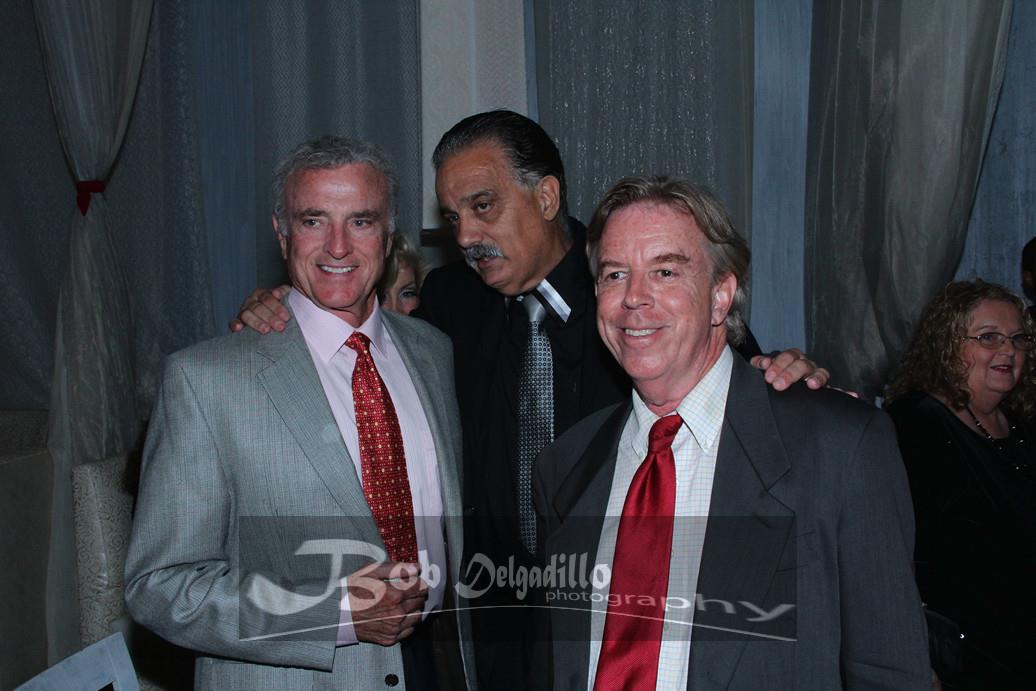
x: 782, y: 44
x: 272, y: 74
x: 1004, y: 216
x: 647, y: 87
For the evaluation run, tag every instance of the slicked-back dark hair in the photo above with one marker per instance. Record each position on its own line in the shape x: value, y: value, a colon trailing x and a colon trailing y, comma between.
x: 531, y: 151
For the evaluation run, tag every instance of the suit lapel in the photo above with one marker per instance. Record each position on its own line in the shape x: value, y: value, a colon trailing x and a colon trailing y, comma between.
x: 580, y: 504
x: 419, y: 363
x: 748, y: 529
x: 293, y: 385
x: 585, y: 489
x: 492, y: 327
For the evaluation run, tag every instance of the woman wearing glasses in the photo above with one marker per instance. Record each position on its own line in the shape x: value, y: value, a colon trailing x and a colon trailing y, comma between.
x: 963, y: 401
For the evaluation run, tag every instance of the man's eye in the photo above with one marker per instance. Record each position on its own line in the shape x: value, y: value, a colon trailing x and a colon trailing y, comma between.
x: 361, y: 222
x: 310, y: 222
x: 483, y: 206
x: 612, y: 276
x: 450, y: 219
x: 666, y: 273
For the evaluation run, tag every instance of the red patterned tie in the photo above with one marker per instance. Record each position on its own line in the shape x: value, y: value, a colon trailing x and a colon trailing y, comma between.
x: 633, y: 627
x: 382, y: 460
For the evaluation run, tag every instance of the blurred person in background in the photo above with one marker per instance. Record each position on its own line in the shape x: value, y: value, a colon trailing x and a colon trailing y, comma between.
x: 1029, y: 274
x: 963, y: 400
x: 404, y: 272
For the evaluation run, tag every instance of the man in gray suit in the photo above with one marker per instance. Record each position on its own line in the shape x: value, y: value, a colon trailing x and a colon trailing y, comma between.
x: 274, y: 466
x: 788, y: 564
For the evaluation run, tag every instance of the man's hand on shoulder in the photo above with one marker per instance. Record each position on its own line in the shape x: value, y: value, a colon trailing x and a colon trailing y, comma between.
x: 791, y: 366
x: 262, y: 311
x: 386, y: 601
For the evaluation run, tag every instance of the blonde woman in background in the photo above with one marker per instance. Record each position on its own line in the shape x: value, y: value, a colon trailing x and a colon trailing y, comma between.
x: 404, y: 271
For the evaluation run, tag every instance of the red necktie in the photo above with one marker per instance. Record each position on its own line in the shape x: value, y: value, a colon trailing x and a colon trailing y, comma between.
x: 640, y: 569
x: 382, y: 460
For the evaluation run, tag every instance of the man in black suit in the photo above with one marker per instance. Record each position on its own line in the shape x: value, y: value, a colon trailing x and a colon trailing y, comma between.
x: 788, y: 565
x: 501, y: 188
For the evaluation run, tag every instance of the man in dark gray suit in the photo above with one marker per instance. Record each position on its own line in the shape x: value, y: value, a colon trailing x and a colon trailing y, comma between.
x: 788, y: 564
x: 274, y: 466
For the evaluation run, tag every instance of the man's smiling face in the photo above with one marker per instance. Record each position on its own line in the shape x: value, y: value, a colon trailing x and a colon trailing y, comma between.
x: 338, y: 237
x: 659, y: 311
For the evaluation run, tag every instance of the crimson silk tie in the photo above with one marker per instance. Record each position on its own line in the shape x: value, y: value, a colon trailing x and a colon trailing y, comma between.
x: 640, y: 569
x: 382, y: 459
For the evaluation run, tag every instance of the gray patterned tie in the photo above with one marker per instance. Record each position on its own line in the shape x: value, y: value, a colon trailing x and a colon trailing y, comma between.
x: 535, y: 412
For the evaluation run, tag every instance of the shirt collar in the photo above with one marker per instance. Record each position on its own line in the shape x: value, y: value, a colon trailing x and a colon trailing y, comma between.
x: 566, y: 283
x: 702, y: 409
x: 326, y: 334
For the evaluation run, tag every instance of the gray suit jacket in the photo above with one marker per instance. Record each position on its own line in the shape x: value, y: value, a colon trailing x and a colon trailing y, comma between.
x: 242, y: 453
x: 810, y: 507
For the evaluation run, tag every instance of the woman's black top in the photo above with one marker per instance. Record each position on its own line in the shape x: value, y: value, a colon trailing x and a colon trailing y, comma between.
x: 976, y: 538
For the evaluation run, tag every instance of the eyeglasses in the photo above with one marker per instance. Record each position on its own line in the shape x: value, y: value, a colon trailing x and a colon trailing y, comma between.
x: 993, y: 340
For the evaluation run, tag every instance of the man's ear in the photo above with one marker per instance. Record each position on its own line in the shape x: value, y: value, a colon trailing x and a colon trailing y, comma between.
x: 282, y: 238
x: 548, y: 195
x: 723, y: 298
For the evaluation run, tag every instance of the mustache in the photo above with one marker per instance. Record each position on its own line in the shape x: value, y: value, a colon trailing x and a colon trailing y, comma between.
x: 481, y: 251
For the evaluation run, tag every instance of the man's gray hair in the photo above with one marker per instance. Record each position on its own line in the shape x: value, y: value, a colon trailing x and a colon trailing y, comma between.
x: 327, y: 153
x: 727, y: 250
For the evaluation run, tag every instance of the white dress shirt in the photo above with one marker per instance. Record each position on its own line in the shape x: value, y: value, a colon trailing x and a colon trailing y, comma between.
x: 694, y: 450
x: 325, y: 335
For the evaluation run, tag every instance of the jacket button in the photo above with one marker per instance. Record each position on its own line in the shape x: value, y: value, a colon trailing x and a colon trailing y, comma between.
x: 391, y: 680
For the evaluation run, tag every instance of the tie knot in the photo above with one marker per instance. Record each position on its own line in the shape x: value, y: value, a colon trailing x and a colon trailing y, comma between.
x: 663, y: 432
x: 359, y: 342
x: 533, y: 307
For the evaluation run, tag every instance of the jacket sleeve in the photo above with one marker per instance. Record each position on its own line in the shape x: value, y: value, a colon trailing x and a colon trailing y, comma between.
x: 884, y: 641
x: 183, y: 567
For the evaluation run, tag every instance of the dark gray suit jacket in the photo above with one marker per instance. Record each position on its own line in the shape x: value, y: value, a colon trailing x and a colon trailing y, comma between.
x: 810, y: 507
x: 243, y: 461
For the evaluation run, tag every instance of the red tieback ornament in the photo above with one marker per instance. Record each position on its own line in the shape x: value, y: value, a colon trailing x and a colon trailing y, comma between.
x: 85, y: 188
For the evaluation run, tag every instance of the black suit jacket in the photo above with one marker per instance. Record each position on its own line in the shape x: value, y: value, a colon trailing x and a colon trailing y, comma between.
x: 810, y: 501
x: 474, y: 316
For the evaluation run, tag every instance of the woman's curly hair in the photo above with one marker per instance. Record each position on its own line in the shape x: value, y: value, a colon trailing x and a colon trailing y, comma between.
x: 933, y: 362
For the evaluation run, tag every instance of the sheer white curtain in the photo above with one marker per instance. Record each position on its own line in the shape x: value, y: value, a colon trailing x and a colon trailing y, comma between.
x: 902, y: 97
x: 92, y: 51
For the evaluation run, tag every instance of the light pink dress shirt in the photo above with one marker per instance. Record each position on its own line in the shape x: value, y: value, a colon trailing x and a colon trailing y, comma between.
x: 325, y: 335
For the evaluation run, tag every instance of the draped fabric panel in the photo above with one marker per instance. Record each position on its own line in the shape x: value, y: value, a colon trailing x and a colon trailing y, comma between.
x: 648, y: 87
x: 782, y: 36
x: 92, y: 51
x: 902, y: 97
x: 220, y: 40
x: 334, y: 67
x: 38, y: 199
x: 1004, y: 215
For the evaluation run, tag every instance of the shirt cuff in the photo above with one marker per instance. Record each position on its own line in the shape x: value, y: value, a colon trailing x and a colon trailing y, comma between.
x: 346, y: 630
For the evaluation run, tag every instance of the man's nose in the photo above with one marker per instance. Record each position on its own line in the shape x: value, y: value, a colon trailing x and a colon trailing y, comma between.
x: 467, y: 232
x: 638, y: 293
x: 338, y: 243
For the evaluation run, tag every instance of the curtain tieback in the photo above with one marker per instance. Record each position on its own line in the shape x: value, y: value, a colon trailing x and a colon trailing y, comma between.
x: 84, y: 188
